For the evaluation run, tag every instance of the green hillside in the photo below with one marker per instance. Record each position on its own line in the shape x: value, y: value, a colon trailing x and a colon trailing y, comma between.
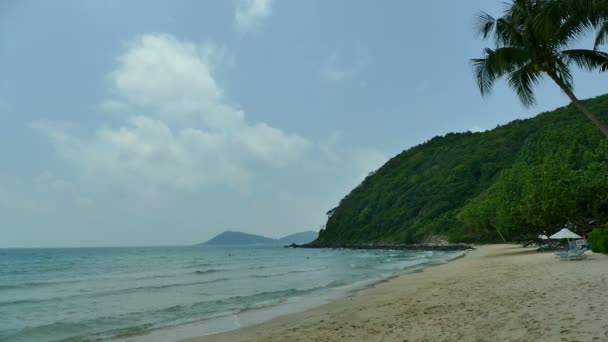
x: 516, y: 179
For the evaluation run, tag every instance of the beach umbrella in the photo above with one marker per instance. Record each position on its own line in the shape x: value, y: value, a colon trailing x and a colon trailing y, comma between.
x: 565, y: 234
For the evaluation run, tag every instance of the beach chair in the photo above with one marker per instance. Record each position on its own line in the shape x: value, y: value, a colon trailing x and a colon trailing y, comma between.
x: 573, y: 254
x: 565, y: 252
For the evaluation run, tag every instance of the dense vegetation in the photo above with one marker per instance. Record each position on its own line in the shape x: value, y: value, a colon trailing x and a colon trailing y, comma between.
x: 515, y: 180
x: 599, y: 240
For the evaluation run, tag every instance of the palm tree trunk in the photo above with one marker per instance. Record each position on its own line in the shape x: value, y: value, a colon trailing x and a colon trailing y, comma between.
x: 596, y: 121
x: 502, y: 237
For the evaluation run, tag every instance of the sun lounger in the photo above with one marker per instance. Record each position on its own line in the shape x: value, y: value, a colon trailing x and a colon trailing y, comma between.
x: 573, y: 254
x: 565, y: 252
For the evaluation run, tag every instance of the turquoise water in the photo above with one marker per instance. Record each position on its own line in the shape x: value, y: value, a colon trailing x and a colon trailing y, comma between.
x: 83, y: 294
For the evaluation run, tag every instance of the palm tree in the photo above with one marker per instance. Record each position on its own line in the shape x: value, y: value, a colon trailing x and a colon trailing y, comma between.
x: 534, y: 39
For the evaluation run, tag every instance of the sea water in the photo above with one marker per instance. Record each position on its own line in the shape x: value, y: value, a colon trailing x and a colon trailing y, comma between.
x: 137, y: 293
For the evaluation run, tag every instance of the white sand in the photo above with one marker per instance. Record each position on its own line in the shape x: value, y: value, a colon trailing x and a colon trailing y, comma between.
x: 495, y: 293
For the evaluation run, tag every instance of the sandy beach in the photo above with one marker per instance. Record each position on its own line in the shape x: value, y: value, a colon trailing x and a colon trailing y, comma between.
x: 495, y: 293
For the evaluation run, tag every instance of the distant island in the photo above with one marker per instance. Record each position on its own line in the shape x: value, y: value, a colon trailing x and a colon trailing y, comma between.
x: 240, y: 238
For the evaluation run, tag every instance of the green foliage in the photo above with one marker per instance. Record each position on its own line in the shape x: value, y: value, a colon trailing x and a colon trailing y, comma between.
x: 534, y: 39
x: 599, y: 240
x: 516, y: 180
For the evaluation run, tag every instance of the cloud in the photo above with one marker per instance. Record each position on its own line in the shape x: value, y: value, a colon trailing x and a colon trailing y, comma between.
x: 249, y: 13
x: 331, y: 70
x: 367, y: 159
x: 335, y: 69
x: 41, y: 194
x: 360, y: 160
x: 476, y: 129
x: 185, y: 135
x: 49, y: 181
x: 166, y: 77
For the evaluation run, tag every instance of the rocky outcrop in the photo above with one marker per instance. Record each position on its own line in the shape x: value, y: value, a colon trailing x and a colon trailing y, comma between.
x: 419, y: 247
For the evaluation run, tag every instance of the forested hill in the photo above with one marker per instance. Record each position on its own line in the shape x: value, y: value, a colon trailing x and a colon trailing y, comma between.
x: 239, y: 238
x: 517, y: 179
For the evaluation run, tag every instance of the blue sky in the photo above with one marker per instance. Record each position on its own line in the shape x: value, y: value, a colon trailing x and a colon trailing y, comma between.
x: 164, y: 123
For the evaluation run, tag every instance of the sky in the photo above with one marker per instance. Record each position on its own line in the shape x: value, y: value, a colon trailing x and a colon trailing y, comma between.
x: 128, y: 123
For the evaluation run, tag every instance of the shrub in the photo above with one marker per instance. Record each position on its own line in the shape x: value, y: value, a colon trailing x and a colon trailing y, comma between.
x: 599, y: 240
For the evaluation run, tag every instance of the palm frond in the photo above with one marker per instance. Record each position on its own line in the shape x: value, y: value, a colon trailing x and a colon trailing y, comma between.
x: 589, y: 60
x: 548, y: 19
x: 485, y: 75
x: 592, y: 11
x: 523, y: 80
x: 484, y: 24
x: 519, y: 8
x: 601, y: 37
x: 561, y: 21
x: 564, y: 73
x: 495, y: 64
x: 529, y: 39
x: 508, y: 34
x: 570, y: 29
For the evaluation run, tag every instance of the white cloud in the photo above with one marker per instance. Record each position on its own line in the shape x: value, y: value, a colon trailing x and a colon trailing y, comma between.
x: 334, y: 68
x: 249, y: 13
x: 331, y: 70
x: 174, y: 130
x: 360, y: 160
x: 476, y: 129
x: 189, y: 135
x: 49, y: 181
x: 165, y: 76
x: 368, y: 159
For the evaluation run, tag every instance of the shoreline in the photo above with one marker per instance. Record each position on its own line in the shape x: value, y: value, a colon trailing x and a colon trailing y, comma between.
x: 259, y: 316
x: 250, y: 317
x: 497, y: 292
x: 448, y: 247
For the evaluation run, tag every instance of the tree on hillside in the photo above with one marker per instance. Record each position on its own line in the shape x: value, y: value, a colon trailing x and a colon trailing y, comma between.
x: 534, y: 38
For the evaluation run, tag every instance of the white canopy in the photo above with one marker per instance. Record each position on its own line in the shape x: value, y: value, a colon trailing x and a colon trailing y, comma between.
x: 565, y: 234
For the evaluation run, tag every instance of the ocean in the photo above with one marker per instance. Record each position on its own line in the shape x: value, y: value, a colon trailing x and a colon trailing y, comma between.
x: 167, y: 293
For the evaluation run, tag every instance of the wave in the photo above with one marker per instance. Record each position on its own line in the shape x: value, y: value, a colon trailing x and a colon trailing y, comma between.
x: 204, y: 264
x: 304, y: 270
x: 207, y: 271
x: 267, y: 275
x: 104, y: 328
x: 111, y: 292
x: 167, y: 286
x: 94, y: 279
x: 10, y: 286
x: 37, y: 284
x: 129, y: 324
x: 270, y: 298
x: 245, y: 302
x: 82, y: 280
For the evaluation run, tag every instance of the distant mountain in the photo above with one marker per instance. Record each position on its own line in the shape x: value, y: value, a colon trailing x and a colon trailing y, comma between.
x: 299, y: 238
x: 240, y: 238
